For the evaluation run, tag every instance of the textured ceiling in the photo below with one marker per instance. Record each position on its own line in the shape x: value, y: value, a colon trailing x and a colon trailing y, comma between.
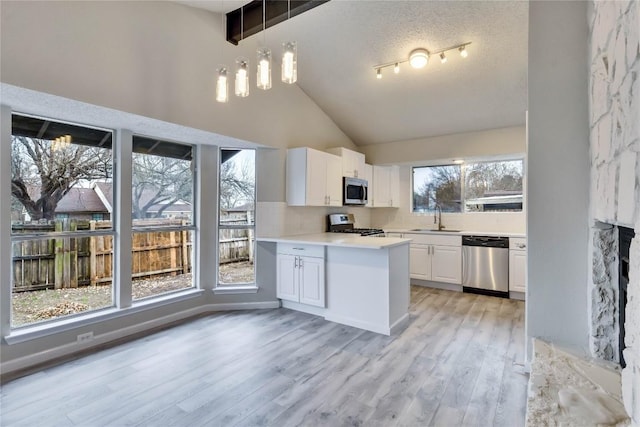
x: 340, y: 42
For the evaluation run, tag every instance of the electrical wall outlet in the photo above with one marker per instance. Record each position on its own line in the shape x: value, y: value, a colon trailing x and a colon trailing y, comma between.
x: 86, y: 337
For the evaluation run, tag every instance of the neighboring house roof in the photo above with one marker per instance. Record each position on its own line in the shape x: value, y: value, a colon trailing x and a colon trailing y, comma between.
x: 81, y: 200
x: 495, y: 200
x: 76, y: 200
x: 105, y: 192
x: 242, y: 208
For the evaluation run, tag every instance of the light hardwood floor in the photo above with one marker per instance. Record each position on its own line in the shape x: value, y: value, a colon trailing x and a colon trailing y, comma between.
x: 457, y: 363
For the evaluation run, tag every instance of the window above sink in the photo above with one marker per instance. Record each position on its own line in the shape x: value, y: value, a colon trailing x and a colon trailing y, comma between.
x: 487, y: 186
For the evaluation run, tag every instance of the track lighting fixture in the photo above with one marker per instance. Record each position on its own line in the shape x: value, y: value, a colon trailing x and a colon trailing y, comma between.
x: 419, y: 58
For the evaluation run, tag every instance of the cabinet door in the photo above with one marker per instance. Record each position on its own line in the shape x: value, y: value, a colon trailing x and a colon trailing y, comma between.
x: 381, y: 186
x: 356, y: 163
x: 419, y: 262
x: 333, y: 180
x: 316, y: 178
x: 518, y: 271
x: 446, y: 264
x: 312, y: 281
x: 394, y: 186
x: 287, y: 278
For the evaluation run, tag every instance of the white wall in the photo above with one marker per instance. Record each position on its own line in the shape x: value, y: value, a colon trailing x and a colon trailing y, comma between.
x: 468, y: 145
x: 558, y: 178
x: 154, y: 59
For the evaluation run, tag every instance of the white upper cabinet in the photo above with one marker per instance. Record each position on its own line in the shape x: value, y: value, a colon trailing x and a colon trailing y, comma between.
x: 313, y: 178
x: 386, y: 186
x: 352, y: 162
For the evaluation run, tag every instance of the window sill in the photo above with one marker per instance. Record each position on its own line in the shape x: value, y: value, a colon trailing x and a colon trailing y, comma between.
x: 229, y: 290
x: 29, y: 333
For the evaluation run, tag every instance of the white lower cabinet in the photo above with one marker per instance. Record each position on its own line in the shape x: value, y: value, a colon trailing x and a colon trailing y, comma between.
x: 300, y: 274
x: 517, y: 265
x: 436, y: 258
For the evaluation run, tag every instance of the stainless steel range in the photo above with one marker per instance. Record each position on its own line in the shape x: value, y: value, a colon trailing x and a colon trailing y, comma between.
x: 344, y: 223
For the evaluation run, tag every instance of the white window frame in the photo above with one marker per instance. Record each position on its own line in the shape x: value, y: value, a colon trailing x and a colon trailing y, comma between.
x: 520, y: 158
x: 244, y: 287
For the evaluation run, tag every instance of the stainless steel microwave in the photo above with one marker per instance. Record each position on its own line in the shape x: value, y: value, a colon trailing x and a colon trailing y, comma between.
x: 355, y: 192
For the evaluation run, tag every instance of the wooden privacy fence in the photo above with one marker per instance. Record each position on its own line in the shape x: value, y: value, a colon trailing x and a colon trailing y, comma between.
x: 236, y: 244
x: 71, y: 262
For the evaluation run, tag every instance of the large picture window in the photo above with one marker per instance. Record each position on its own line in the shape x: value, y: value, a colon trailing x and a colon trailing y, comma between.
x: 491, y: 186
x: 62, y: 254
x: 236, y: 227
x: 162, y: 214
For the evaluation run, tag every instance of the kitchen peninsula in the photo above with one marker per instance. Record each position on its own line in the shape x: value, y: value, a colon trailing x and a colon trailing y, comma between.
x: 352, y: 280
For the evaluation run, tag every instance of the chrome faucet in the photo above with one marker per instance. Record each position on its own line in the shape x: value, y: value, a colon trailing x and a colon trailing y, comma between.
x: 437, y: 217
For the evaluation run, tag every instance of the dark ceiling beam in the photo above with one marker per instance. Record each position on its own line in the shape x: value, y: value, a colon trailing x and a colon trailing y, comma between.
x: 247, y: 20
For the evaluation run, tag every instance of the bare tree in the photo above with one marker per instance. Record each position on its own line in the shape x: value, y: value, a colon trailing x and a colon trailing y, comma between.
x: 443, y: 190
x: 37, y: 168
x: 159, y: 182
x: 236, y: 184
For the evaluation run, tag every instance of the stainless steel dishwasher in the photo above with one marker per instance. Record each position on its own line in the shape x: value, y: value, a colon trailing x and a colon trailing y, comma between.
x: 485, y: 265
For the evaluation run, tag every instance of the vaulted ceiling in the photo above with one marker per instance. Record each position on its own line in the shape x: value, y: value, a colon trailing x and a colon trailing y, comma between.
x: 341, y: 41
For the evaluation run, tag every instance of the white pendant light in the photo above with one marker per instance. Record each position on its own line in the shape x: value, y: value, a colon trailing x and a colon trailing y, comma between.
x: 263, y: 79
x: 242, y: 77
x: 222, y: 85
x: 289, y: 62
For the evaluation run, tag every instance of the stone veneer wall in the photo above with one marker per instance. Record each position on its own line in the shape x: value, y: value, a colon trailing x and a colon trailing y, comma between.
x: 615, y: 176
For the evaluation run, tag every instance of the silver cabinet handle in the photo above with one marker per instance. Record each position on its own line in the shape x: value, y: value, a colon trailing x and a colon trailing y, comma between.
x: 300, y: 262
x: 295, y: 262
x: 521, y: 245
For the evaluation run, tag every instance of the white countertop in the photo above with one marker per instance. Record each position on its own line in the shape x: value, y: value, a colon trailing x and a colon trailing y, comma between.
x: 455, y: 233
x: 339, y: 239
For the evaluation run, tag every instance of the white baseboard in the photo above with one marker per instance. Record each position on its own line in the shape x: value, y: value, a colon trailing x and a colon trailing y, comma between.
x: 305, y: 308
x: 98, y: 340
x: 368, y: 326
x: 400, y: 324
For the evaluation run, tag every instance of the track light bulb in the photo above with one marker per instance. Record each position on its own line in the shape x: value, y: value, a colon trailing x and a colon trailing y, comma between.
x: 379, y: 73
x: 443, y: 58
x: 396, y: 68
x: 463, y: 51
x: 418, y: 58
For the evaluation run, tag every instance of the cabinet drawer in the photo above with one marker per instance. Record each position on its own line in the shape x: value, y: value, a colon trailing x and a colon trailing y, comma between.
x: 518, y: 243
x: 316, y: 251
x: 431, y: 239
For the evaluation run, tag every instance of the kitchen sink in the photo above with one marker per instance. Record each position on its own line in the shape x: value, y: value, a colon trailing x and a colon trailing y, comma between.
x: 437, y: 231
